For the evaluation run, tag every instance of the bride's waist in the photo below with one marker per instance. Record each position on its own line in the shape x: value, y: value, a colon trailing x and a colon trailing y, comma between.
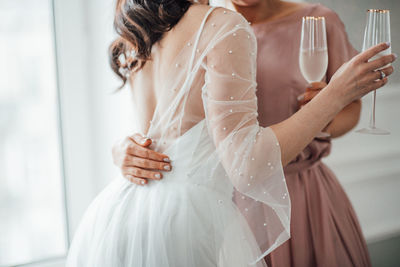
x: 198, y: 182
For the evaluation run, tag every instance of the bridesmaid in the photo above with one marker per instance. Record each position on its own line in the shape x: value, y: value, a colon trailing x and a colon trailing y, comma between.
x: 325, y: 230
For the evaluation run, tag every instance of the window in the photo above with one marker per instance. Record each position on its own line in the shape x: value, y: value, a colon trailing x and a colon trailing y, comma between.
x: 32, y: 209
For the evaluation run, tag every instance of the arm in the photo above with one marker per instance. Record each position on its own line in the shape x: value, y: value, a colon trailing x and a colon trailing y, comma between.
x: 231, y: 106
x: 352, y: 81
x: 251, y: 155
x: 344, y: 121
x: 340, y: 51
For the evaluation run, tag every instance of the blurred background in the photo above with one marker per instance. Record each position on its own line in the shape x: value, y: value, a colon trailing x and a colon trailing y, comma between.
x: 59, y: 117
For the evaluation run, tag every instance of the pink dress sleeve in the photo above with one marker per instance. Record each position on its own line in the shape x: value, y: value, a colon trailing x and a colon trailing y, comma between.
x: 340, y: 50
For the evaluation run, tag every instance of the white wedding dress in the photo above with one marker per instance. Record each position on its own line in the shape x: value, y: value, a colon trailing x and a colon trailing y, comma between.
x: 201, y: 110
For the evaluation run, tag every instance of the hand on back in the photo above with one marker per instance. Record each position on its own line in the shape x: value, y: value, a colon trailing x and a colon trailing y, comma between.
x: 137, y: 162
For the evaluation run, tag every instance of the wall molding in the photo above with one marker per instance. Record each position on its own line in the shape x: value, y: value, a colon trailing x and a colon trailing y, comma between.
x: 379, y: 234
x: 367, y: 167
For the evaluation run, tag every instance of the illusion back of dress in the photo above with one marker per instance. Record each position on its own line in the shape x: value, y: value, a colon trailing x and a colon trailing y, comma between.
x: 167, y: 91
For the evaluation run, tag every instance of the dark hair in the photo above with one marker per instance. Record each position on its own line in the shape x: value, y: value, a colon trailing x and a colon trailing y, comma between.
x: 140, y: 24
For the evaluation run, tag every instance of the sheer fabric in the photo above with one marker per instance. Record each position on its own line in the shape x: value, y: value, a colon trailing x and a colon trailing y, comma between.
x: 201, y: 110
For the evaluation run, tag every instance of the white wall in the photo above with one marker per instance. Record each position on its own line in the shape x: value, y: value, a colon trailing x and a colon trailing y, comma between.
x: 92, y: 117
x: 369, y: 168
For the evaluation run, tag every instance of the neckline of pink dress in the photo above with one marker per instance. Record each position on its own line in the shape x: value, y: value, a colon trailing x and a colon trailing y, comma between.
x: 298, y: 14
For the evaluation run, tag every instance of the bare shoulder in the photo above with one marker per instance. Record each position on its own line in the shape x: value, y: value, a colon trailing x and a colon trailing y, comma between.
x: 197, y: 11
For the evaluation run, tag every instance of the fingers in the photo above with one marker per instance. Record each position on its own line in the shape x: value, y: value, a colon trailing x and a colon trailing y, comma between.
x: 378, y: 84
x: 316, y: 86
x: 141, y: 173
x: 307, y: 97
x: 372, y: 51
x: 141, y: 140
x: 388, y: 71
x: 138, y: 146
x: 146, y: 153
x: 376, y: 75
x: 132, y: 161
x: 380, y: 62
x: 135, y: 180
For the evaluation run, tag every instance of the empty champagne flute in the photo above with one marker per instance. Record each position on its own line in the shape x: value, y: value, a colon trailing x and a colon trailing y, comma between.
x: 313, y: 57
x: 377, y: 31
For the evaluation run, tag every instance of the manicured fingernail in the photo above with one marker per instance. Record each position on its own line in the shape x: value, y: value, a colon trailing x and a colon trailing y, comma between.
x: 157, y: 175
x: 395, y: 56
x: 388, y: 44
x: 166, y: 160
x: 167, y: 167
x: 142, y: 182
x: 300, y: 97
x: 143, y: 141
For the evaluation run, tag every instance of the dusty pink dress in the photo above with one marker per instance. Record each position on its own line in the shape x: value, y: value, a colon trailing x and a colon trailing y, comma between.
x: 324, y: 227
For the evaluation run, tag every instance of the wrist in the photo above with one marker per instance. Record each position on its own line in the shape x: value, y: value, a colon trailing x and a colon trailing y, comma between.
x: 335, y: 99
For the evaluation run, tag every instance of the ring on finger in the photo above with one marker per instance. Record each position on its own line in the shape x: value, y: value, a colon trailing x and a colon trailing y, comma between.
x: 383, y: 75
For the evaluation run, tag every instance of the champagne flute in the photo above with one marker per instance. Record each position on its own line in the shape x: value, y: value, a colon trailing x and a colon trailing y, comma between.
x: 377, y: 31
x: 313, y: 58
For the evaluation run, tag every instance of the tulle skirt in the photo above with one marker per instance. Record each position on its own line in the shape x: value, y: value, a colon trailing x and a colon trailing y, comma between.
x: 168, y: 223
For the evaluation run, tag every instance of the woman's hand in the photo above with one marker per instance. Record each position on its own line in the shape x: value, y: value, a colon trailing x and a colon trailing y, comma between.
x: 352, y: 81
x: 358, y: 77
x: 137, y: 162
x: 311, y: 91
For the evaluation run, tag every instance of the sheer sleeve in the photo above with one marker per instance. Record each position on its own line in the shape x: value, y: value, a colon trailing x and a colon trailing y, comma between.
x: 249, y: 153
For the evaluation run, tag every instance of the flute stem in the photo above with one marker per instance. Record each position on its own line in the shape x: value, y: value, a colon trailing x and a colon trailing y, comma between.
x: 372, y: 121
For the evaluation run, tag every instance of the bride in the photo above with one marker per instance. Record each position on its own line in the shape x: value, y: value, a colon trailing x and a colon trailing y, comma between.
x: 192, y: 73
